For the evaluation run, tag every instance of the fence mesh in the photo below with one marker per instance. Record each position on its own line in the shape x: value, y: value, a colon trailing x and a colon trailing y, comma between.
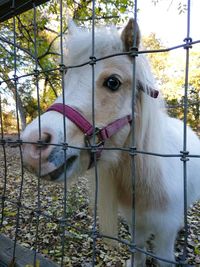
x: 53, y: 209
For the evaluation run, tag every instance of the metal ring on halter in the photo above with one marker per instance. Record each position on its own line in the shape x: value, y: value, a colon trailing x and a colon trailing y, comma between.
x: 98, y: 138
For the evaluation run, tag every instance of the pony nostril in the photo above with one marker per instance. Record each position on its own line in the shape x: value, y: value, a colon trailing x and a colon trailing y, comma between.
x: 45, y: 140
x: 37, y: 145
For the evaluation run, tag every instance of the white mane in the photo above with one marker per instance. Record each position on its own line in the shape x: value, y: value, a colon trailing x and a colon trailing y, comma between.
x: 79, y: 44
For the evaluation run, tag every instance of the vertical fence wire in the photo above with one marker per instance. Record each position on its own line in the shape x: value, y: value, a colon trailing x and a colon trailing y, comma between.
x: 40, y: 138
x: 134, y: 49
x: 3, y: 197
x: 185, y: 153
x: 15, y: 80
x: 62, y: 72
x: 94, y: 148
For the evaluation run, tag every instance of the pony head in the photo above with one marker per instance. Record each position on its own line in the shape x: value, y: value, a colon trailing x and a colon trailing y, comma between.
x: 54, y: 144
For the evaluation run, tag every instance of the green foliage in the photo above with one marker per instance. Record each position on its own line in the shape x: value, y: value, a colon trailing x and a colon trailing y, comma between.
x: 159, y: 60
x: 106, y: 10
x: 169, y: 70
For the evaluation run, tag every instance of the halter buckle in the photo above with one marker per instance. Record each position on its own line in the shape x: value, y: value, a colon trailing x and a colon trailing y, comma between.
x: 98, y: 138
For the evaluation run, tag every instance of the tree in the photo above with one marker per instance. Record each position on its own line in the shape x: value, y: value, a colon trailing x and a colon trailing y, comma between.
x: 169, y: 70
x: 159, y: 60
x: 178, y: 82
x: 24, y: 58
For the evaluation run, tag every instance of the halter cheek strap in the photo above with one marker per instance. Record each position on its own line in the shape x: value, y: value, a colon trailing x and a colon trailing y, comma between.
x: 101, y: 134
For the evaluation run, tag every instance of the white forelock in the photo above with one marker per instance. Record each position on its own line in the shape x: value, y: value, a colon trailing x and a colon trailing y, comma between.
x: 79, y: 44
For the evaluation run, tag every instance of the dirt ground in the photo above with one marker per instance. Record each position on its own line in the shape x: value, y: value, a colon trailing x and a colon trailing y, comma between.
x: 45, y: 233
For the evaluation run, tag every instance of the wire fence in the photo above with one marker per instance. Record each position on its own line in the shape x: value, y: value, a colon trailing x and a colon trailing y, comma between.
x: 40, y: 214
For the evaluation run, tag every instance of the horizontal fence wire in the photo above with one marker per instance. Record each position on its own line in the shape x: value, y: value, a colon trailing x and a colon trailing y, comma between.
x: 17, y: 142
x: 91, y: 61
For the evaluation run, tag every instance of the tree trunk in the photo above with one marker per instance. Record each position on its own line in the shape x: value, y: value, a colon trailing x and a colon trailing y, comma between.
x: 19, y: 105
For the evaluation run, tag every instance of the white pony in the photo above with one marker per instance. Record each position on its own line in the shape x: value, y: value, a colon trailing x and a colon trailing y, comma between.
x: 158, y: 180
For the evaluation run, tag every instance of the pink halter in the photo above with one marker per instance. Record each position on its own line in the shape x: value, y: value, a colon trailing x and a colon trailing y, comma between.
x: 101, y: 134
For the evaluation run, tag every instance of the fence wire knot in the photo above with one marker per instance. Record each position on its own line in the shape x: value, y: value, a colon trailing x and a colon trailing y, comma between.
x: 94, y: 148
x: 132, y: 247
x: 3, y: 198
x: 65, y: 146
x: 184, y: 156
x: 36, y: 73
x: 63, y: 68
x: 95, y: 234
x: 38, y: 212
x: 134, y: 51
x: 19, y: 142
x: 15, y: 78
x: 188, y: 41
x: 2, y: 141
x: 63, y: 222
x: 93, y: 60
x: 132, y: 151
x: 18, y: 204
x: 41, y: 143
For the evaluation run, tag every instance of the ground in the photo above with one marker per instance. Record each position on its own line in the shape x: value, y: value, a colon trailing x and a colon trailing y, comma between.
x: 78, y: 243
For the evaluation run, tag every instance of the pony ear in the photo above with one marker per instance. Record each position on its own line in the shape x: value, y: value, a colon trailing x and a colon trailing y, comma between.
x: 127, y: 35
x: 152, y: 92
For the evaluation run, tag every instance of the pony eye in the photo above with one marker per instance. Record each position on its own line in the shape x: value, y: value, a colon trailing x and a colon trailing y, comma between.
x: 113, y: 83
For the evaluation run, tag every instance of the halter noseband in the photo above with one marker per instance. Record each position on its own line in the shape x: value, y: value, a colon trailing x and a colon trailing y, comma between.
x: 101, y: 134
